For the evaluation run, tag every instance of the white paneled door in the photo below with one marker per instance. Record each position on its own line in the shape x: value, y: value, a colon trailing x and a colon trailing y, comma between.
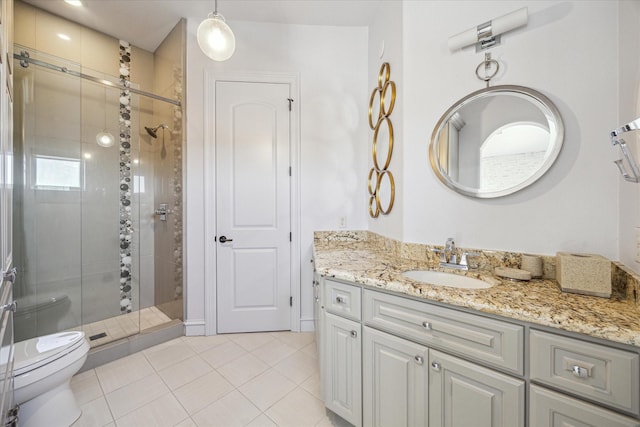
x: 253, y: 221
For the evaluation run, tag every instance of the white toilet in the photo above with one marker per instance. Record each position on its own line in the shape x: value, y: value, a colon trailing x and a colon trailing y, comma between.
x: 43, y: 367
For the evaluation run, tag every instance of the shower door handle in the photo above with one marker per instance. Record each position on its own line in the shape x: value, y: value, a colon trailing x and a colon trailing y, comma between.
x: 223, y: 239
x: 10, y: 275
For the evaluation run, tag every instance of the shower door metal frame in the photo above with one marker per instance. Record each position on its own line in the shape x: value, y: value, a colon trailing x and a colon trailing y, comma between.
x: 24, y: 59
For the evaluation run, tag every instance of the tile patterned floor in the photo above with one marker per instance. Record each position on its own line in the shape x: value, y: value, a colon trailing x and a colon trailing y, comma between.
x: 259, y: 379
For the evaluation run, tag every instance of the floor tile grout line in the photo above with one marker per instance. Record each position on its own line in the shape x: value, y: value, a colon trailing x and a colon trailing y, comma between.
x: 104, y: 396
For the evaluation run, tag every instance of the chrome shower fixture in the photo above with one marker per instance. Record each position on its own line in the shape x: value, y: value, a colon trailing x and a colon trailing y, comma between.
x: 634, y: 174
x: 153, y: 132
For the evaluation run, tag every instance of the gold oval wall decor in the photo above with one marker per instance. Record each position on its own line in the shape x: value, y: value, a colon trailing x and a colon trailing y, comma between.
x: 385, y: 193
x: 375, y: 102
x: 384, y: 110
x: 370, y: 187
x: 374, y: 207
x: 383, y: 123
x: 384, y: 74
x: 380, y: 182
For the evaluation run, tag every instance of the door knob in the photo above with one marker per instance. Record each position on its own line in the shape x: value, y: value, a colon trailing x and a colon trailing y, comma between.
x: 223, y: 239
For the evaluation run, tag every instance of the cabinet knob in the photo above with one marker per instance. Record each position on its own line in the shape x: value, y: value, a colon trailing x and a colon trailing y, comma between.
x: 426, y: 325
x: 436, y: 366
x: 580, y: 372
x: 354, y: 334
x: 419, y: 360
x: 340, y: 300
x: 317, y: 299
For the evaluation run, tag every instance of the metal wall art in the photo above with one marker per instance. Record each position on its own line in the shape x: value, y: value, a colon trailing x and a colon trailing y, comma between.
x: 381, y: 186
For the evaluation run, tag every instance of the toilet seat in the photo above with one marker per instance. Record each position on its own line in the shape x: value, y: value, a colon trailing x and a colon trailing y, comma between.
x: 34, y: 353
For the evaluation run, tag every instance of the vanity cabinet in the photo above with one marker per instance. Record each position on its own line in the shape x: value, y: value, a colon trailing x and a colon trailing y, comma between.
x: 342, y: 359
x: 462, y: 393
x: 395, y: 361
x: 342, y: 355
x: 406, y: 380
x: 395, y: 381
x: 551, y: 409
x: 589, y: 371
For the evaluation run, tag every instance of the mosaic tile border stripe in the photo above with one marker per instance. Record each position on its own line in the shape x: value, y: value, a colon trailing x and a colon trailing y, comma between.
x: 126, y: 224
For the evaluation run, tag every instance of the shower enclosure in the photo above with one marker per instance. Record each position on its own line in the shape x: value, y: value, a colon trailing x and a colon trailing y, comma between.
x: 97, y: 202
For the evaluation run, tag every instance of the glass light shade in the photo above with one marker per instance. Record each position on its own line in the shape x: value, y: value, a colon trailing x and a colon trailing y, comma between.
x: 105, y: 139
x: 215, y: 38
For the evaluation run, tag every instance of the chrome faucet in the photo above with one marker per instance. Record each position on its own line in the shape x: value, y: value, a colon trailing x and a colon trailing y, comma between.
x: 450, y: 251
x: 449, y: 256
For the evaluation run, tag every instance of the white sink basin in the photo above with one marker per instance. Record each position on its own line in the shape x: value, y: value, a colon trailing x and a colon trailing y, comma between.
x: 441, y: 278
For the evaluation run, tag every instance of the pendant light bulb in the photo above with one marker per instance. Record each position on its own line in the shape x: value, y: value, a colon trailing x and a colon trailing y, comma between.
x: 215, y: 38
x: 105, y: 139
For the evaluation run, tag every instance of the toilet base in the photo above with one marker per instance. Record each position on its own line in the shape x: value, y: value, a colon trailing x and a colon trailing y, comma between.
x: 55, y: 408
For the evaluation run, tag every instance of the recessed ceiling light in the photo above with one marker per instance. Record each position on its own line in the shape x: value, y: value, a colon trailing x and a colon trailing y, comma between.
x: 64, y: 37
x: 75, y: 3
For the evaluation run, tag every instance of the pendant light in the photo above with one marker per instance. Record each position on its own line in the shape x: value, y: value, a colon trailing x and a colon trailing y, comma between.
x: 215, y: 38
x: 105, y: 138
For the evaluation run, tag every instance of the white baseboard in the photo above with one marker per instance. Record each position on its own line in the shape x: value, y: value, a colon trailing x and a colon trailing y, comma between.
x: 307, y: 325
x: 193, y: 328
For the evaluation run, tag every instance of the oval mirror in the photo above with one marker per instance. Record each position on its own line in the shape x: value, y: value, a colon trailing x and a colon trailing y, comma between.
x: 496, y: 141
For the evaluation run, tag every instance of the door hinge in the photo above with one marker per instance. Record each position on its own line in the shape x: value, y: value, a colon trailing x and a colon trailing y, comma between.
x: 290, y: 102
x: 290, y: 237
x: 289, y: 170
x: 290, y: 301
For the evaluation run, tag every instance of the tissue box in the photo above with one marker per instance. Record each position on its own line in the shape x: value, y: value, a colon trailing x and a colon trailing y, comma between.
x: 587, y: 274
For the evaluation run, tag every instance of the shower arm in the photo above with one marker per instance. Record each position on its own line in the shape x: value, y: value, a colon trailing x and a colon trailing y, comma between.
x: 634, y: 174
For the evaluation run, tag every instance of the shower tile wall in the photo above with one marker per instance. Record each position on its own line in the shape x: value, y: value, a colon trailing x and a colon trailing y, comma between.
x: 99, y: 56
x: 168, y: 177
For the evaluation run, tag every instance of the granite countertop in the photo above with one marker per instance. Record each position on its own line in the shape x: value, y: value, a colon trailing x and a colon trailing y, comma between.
x: 537, y: 301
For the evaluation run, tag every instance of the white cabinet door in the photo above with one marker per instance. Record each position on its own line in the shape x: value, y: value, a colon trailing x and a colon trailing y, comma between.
x: 463, y: 394
x: 395, y: 381
x: 342, y: 375
x: 318, y: 323
x: 551, y: 409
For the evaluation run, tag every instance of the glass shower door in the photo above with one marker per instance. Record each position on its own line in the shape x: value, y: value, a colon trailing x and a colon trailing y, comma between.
x: 67, y: 243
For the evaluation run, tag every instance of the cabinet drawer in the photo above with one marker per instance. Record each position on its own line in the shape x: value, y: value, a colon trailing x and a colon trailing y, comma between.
x: 550, y: 409
x: 495, y: 343
x: 593, y: 371
x: 342, y: 299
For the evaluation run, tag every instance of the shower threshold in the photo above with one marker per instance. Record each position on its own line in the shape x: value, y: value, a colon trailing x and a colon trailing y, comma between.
x: 123, y: 326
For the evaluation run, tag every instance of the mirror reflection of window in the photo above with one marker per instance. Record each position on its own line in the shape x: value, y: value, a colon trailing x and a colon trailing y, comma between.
x: 511, y: 154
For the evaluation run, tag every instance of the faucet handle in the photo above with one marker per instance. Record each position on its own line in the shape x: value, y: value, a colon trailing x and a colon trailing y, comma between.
x: 463, y: 258
x: 443, y: 257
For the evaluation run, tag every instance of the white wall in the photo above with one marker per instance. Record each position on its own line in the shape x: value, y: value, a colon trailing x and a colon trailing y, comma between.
x: 331, y: 62
x: 629, y: 89
x: 574, y: 207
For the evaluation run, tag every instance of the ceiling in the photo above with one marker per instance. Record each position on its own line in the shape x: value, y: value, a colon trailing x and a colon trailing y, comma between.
x: 145, y: 23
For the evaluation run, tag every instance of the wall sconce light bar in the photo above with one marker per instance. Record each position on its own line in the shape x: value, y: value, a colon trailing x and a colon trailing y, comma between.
x: 487, y: 35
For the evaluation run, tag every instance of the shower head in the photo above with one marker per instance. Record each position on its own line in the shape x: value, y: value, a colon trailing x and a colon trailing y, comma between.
x: 153, y: 132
